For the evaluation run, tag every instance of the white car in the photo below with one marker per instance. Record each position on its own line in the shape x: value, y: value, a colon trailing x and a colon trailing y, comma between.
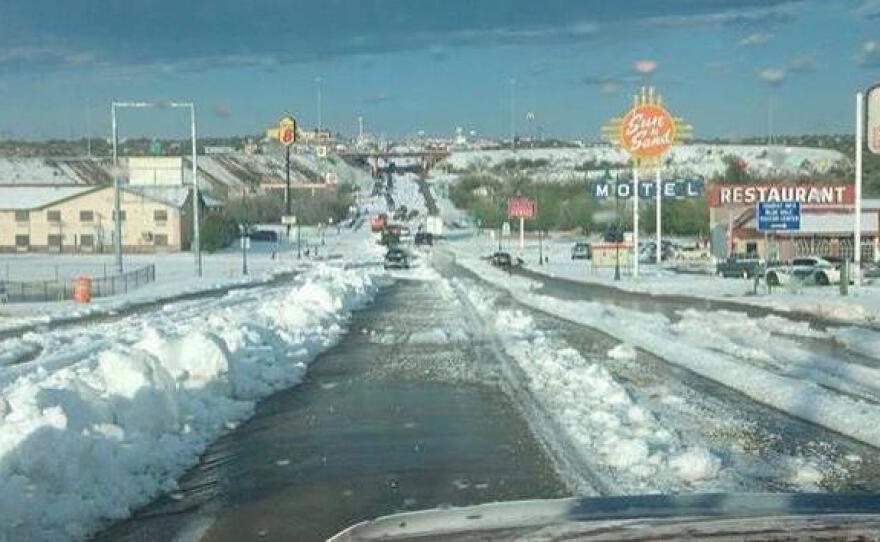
x: 809, y: 270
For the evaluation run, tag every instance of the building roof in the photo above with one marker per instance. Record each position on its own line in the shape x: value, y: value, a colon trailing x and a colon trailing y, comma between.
x: 22, y: 197
x: 174, y: 196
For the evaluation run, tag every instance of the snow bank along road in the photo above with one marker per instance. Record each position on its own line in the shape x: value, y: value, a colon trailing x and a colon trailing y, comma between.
x: 726, y: 363
x: 110, y: 415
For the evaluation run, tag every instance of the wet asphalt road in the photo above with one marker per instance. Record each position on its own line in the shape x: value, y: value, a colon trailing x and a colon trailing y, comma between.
x: 391, y: 419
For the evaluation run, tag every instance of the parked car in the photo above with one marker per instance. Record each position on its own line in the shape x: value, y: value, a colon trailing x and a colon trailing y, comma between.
x: 581, y: 251
x: 809, y: 270
x: 424, y: 238
x: 745, y: 265
x: 396, y: 258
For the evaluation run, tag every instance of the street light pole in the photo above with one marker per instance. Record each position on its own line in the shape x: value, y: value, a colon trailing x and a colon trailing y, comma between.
x: 117, y: 218
x: 197, y: 236
x: 320, y: 112
x: 512, y: 116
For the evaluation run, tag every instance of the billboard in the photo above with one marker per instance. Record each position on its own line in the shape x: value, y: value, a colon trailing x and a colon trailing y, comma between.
x: 647, y: 129
x: 520, y: 207
x: 732, y: 194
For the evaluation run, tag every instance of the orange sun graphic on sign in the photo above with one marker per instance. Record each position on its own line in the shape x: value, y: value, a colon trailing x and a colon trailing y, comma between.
x: 647, y: 129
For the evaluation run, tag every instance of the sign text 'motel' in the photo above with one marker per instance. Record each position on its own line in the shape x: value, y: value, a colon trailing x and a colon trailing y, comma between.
x: 778, y: 215
x: 647, y: 189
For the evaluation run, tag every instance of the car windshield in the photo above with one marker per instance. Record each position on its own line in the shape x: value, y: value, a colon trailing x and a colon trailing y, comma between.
x: 271, y: 269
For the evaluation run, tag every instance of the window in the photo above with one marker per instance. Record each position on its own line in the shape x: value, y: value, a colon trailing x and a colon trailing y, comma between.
x: 160, y: 240
x: 55, y: 240
x: 160, y: 215
x: 22, y: 241
x: 87, y: 240
x: 86, y: 216
x: 53, y: 216
x: 22, y: 216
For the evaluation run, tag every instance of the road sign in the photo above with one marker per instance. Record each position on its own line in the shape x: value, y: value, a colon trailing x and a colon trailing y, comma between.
x: 778, y: 215
x: 521, y: 207
x: 288, y: 219
x: 286, y: 130
x: 505, y: 229
x: 321, y: 151
x: 873, y: 124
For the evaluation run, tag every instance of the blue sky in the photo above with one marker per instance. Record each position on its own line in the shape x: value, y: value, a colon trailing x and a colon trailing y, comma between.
x: 409, y: 65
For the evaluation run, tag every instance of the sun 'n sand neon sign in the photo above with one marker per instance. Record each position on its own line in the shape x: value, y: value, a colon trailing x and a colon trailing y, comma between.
x: 647, y: 129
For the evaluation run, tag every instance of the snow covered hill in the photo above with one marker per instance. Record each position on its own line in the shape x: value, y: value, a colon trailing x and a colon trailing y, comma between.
x: 699, y: 159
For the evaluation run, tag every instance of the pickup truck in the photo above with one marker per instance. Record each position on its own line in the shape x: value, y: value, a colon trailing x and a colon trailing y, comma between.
x: 740, y: 265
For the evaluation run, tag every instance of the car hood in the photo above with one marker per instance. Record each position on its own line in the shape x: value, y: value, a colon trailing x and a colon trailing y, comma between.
x: 700, y: 516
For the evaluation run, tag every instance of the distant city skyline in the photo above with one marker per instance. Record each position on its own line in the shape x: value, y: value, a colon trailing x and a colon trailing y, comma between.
x: 733, y: 68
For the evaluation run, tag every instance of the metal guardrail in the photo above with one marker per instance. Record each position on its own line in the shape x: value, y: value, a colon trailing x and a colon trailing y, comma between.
x: 60, y: 290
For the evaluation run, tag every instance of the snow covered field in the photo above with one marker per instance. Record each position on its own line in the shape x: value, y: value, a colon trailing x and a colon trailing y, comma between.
x: 860, y: 306
x: 175, y: 273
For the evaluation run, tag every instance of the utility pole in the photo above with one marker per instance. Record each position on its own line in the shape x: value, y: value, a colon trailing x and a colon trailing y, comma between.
x: 287, y: 193
x: 512, y: 116
x: 197, y: 236
x: 857, y: 227
x: 320, y: 113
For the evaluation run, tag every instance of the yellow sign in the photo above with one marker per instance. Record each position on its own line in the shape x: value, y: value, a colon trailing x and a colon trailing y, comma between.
x: 286, y: 130
x: 647, y: 129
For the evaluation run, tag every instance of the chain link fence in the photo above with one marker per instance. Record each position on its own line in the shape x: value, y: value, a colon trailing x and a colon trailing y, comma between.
x: 62, y: 289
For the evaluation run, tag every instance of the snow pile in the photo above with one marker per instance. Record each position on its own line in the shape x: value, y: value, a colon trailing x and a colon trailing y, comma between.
x: 622, y: 352
x: 621, y: 439
x: 87, y: 435
x: 791, y: 387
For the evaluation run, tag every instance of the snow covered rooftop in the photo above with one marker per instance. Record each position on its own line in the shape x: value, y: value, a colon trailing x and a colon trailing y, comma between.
x: 174, y: 196
x: 18, y: 197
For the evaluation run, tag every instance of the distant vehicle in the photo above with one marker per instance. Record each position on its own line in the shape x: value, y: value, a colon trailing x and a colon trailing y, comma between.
x: 412, y: 214
x: 581, y: 251
x: 378, y: 222
x: 264, y: 235
x: 690, y: 253
x: 4, y: 295
x: 745, y: 265
x: 809, y: 270
x: 505, y: 261
x: 406, y: 234
x: 424, y: 238
x: 434, y: 225
x: 396, y: 258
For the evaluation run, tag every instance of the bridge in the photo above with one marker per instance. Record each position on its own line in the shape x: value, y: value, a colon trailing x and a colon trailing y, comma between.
x: 424, y: 159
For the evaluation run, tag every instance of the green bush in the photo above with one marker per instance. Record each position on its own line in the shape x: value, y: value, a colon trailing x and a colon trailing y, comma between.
x: 218, y: 231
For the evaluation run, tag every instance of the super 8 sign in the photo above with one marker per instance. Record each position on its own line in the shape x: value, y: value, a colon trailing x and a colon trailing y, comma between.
x: 520, y: 207
x: 286, y: 130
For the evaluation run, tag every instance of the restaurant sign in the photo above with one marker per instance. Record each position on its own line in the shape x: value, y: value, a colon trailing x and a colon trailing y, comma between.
x: 732, y: 194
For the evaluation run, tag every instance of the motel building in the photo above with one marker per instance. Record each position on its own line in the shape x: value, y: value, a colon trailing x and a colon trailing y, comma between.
x: 155, y: 204
x: 826, y: 223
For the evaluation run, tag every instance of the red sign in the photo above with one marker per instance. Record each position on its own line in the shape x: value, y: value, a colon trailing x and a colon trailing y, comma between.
x: 520, y: 206
x: 286, y: 130
x: 647, y: 131
x: 819, y: 194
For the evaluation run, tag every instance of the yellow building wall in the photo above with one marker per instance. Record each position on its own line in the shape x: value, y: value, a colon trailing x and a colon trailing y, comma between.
x: 139, y: 222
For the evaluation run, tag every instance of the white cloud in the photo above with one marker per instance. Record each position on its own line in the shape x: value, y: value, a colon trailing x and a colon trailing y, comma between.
x: 755, y: 38
x: 772, y: 75
x: 869, y: 56
x: 645, y: 65
x: 802, y: 64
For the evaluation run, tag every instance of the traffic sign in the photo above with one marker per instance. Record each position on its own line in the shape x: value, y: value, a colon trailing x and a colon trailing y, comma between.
x: 778, y: 215
x: 286, y: 130
x: 330, y: 177
x: 321, y: 151
x: 505, y: 229
x: 520, y: 206
x: 288, y: 219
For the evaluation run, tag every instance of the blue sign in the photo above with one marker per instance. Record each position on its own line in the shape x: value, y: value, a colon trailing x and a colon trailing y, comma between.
x: 779, y: 215
x: 687, y: 188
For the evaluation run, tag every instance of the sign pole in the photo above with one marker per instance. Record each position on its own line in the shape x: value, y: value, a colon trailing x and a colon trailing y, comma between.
x: 522, y: 233
x: 635, y: 221
x: 857, y: 226
x: 659, y: 250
